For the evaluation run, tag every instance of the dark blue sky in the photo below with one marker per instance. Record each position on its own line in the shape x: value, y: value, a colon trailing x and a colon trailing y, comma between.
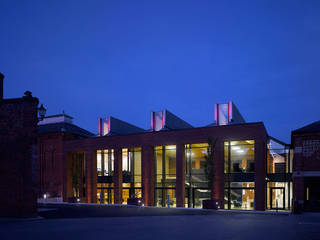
x: 125, y: 58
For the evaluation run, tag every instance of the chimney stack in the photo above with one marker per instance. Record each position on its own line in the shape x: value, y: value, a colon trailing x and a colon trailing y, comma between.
x: 1, y: 85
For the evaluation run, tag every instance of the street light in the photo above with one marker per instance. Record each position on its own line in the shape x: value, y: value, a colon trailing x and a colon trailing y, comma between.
x: 42, y: 112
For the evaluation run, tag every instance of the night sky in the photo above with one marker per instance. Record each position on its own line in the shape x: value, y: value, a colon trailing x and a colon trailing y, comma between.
x: 125, y: 58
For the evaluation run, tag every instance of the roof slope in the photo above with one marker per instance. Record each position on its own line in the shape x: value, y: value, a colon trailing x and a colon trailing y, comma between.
x: 64, y: 127
x: 119, y: 127
x: 174, y: 122
x: 313, y: 127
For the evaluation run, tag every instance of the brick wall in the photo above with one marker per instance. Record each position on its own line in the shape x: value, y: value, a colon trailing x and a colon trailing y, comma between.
x: 50, y: 165
x: 18, y: 155
x: 306, y: 152
x: 306, y: 160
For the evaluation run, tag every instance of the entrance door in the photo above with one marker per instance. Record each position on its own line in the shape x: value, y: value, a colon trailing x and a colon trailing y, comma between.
x: 277, y: 198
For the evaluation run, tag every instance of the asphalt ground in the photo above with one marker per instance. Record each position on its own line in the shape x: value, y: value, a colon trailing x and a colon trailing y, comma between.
x: 210, y: 225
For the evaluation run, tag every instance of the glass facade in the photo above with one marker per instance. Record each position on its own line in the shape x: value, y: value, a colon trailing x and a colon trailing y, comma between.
x: 131, y: 174
x: 239, y: 168
x: 105, y: 170
x: 165, y: 175
x: 279, y: 195
x: 105, y: 162
x: 239, y: 173
x: 279, y: 178
x: 239, y: 156
x: 239, y: 195
x: 196, y: 180
x: 105, y: 193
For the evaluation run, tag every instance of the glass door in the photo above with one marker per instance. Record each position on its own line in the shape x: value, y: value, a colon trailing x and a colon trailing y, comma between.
x: 277, y: 198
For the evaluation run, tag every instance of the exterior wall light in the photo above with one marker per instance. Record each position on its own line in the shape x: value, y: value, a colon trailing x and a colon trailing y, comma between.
x: 42, y: 112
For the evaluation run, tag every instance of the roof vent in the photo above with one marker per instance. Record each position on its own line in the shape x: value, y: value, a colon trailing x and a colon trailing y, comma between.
x: 227, y: 113
x: 112, y: 126
x: 165, y: 120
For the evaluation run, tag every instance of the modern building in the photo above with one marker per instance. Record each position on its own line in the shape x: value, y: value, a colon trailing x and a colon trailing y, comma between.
x: 166, y: 164
x: 306, y: 165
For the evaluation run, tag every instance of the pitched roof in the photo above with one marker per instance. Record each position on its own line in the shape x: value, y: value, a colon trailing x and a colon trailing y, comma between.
x: 64, y: 127
x: 313, y: 127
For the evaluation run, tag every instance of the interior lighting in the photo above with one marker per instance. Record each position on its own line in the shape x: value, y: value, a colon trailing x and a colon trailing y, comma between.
x: 235, y: 148
x: 170, y: 147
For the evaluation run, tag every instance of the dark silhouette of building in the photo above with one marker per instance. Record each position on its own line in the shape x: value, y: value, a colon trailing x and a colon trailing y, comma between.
x: 18, y: 155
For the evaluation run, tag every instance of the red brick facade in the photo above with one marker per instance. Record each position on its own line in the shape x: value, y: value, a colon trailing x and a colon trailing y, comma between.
x: 306, y: 169
x: 147, y: 140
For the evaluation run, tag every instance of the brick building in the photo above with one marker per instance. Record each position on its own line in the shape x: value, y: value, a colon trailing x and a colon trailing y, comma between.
x: 306, y: 171
x: 166, y: 164
x: 18, y: 149
x: 53, y: 131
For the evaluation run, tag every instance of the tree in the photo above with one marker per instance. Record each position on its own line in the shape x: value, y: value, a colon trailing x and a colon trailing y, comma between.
x: 209, y: 163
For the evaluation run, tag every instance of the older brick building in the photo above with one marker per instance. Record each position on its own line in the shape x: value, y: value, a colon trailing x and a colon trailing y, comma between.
x: 18, y: 152
x: 53, y: 131
x: 306, y: 162
x: 166, y: 165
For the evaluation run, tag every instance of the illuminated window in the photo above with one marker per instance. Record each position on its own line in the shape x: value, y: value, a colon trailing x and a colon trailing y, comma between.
x: 239, y: 156
x: 165, y: 167
x: 105, y: 193
x: 197, y: 188
x: 131, y: 172
x: 105, y: 162
x: 239, y: 195
x: 277, y: 158
x: 165, y: 175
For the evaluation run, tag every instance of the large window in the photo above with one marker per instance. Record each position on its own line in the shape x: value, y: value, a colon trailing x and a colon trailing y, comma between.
x: 165, y: 175
x: 239, y: 169
x: 239, y: 195
x: 105, y: 162
x: 279, y: 179
x: 239, y: 156
x: 279, y: 195
x: 105, y: 193
x: 277, y: 157
x: 131, y: 172
x: 105, y: 170
x: 196, y: 179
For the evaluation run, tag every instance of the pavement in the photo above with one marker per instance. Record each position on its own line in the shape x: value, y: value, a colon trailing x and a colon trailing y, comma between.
x: 85, y: 210
x: 216, y: 225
